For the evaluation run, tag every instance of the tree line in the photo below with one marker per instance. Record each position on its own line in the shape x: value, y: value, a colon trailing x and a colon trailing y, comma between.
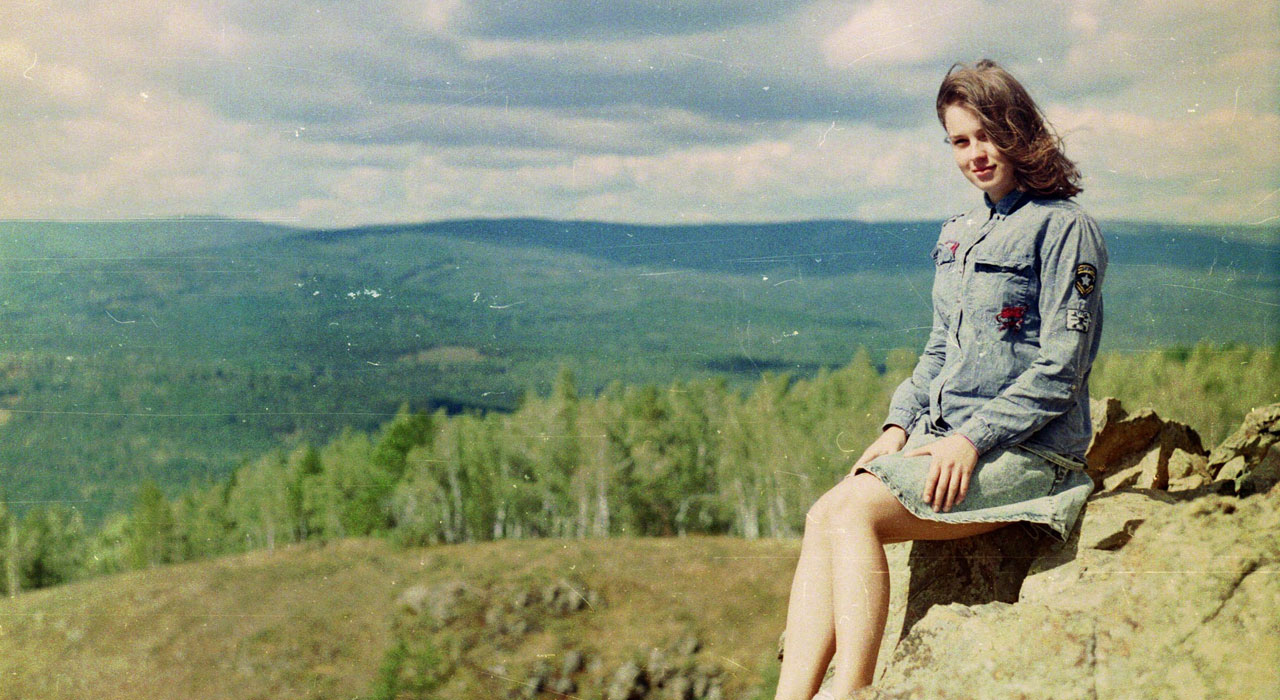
x: 693, y: 457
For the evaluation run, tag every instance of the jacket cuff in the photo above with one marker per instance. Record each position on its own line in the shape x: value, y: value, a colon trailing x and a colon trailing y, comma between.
x: 977, y: 432
x: 902, y: 418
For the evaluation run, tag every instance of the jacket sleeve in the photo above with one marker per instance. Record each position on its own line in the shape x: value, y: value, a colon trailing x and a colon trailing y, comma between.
x: 911, y: 399
x: 1073, y: 261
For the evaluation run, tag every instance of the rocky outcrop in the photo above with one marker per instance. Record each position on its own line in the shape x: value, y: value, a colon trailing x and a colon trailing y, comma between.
x: 454, y: 625
x: 1117, y: 436
x: 442, y: 603
x: 676, y: 674
x: 1143, y: 450
x: 1160, y: 594
x: 1187, y: 608
x: 437, y: 629
x: 969, y: 571
x: 1249, y: 460
x: 1062, y: 576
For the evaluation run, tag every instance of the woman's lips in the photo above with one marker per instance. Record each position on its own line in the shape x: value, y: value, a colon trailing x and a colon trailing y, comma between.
x: 984, y: 172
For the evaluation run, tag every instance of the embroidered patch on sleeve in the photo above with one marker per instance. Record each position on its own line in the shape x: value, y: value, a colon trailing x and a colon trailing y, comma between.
x: 1078, y: 320
x: 1086, y: 277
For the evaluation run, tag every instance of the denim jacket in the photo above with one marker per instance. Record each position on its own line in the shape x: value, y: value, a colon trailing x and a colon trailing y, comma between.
x: 1017, y: 316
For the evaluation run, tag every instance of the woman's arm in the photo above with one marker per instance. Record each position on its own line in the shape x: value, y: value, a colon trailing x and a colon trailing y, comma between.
x: 911, y: 398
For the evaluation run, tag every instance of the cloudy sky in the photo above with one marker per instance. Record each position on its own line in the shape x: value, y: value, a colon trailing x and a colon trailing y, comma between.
x: 348, y: 112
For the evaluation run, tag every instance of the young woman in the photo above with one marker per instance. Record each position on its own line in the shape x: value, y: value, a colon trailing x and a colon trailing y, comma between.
x: 992, y: 426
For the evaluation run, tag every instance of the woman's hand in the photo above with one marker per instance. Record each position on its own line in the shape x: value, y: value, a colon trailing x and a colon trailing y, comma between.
x: 890, y: 441
x: 953, y: 461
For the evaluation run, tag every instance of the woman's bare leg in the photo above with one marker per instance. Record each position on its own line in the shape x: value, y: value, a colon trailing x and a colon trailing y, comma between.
x: 810, y: 639
x: 860, y: 594
x: 850, y: 525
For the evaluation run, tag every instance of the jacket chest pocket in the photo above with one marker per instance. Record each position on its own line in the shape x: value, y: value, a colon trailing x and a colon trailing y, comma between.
x: 1001, y: 290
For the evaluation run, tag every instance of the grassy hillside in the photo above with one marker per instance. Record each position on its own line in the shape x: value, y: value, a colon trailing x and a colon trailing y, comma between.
x: 320, y: 622
x: 173, y: 350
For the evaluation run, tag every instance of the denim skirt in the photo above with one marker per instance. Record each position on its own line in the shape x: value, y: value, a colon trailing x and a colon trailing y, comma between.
x: 1019, y: 484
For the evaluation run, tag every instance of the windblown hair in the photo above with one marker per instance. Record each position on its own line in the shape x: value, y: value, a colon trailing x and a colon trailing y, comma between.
x: 1015, y: 125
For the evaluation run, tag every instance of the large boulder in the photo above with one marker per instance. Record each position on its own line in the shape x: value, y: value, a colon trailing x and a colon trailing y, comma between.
x: 971, y: 571
x: 1117, y: 436
x: 1249, y: 460
x: 1109, y: 521
x: 1187, y: 608
x: 1142, y: 450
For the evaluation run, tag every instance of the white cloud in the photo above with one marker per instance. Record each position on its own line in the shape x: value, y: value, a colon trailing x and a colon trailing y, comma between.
x: 436, y: 16
x: 888, y: 32
x: 1218, y: 164
x: 193, y: 28
x: 361, y: 185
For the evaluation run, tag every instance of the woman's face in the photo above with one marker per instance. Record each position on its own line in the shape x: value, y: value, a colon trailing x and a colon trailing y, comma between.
x: 979, y: 159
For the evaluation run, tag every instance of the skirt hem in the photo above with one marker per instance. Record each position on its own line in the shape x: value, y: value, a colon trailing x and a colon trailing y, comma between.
x: 1038, y: 521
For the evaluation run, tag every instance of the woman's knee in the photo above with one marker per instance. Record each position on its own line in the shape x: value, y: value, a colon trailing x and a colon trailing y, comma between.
x: 847, y: 504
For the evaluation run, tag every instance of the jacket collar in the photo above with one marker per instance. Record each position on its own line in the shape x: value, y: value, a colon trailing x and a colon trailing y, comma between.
x: 1007, y: 204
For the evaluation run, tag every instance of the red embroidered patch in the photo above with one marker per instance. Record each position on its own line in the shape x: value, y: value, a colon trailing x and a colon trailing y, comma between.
x: 952, y: 246
x: 1010, y: 318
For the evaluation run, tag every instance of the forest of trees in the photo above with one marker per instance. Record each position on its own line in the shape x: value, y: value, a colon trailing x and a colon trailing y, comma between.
x: 693, y: 457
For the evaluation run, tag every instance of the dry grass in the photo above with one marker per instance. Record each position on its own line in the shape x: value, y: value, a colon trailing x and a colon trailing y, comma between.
x: 315, y: 621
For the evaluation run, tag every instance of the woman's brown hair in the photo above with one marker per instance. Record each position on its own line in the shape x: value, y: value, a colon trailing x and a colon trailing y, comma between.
x: 1015, y: 125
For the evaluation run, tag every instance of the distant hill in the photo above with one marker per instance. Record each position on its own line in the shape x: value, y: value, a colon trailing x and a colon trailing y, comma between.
x: 324, y: 622
x: 823, y: 247
x: 170, y: 350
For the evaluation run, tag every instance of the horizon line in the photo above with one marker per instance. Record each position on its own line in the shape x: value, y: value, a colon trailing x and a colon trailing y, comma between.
x: 1271, y: 223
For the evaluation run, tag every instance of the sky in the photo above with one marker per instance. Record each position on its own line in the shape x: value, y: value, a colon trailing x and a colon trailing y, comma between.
x: 342, y: 113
